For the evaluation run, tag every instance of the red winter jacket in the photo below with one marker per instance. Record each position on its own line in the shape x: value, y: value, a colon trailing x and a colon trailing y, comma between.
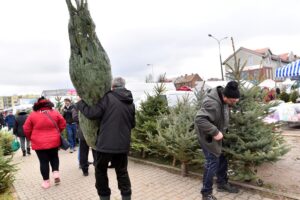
x: 41, y: 131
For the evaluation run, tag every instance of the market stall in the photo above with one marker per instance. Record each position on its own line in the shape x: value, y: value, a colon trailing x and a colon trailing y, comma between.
x: 287, y: 112
x: 290, y: 70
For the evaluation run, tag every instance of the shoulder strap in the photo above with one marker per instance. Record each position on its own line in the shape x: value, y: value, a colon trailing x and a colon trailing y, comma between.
x: 55, y: 124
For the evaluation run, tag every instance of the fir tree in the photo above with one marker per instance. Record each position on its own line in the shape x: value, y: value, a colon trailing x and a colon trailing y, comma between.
x: 176, y: 137
x: 146, y: 117
x: 294, y: 96
x: 89, y: 64
x: 58, y: 103
x: 250, y: 142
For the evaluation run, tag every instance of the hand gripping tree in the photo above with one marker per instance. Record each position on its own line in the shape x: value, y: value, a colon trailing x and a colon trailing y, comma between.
x: 250, y: 141
x: 89, y: 65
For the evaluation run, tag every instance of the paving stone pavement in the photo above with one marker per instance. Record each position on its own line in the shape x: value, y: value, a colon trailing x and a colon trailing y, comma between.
x: 148, y: 183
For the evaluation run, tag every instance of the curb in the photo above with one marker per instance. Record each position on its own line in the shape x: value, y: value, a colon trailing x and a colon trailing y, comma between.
x: 291, y: 134
x: 197, y: 175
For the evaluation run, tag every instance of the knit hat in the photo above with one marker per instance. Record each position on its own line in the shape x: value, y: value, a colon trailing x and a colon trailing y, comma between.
x: 232, y: 90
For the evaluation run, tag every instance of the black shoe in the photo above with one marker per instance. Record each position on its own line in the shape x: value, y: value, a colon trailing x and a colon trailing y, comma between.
x: 126, y: 197
x: 227, y: 188
x: 24, y: 153
x: 208, y: 197
x: 85, y: 173
x: 104, y: 197
x: 28, y: 151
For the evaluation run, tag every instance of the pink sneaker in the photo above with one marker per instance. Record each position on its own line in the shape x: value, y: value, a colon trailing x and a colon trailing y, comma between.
x: 46, y: 184
x: 56, y: 177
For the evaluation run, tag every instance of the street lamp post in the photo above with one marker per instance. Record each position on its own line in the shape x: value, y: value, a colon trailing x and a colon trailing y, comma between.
x: 219, y: 41
x: 152, y: 71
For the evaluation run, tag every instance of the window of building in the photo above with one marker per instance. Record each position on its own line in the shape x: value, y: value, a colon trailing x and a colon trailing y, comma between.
x: 250, y: 60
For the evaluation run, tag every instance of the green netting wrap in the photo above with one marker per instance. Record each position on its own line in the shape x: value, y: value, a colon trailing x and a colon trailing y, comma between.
x: 89, y: 65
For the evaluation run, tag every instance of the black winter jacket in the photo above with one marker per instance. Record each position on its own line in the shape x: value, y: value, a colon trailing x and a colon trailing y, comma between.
x: 18, y: 126
x: 75, y: 117
x: 67, y: 114
x: 116, y: 113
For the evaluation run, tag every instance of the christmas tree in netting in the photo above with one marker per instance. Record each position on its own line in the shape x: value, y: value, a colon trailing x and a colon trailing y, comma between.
x: 250, y: 141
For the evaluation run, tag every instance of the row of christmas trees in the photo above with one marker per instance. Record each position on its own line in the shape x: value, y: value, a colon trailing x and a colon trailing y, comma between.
x: 165, y: 131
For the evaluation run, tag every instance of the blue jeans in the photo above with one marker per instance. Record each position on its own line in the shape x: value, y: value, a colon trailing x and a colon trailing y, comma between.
x: 213, y: 166
x: 71, y: 130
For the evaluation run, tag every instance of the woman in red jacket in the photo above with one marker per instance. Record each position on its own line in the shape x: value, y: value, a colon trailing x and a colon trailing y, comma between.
x: 41, y: 128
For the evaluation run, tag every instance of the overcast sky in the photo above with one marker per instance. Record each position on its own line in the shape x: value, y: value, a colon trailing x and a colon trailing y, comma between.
x: 172, y: 35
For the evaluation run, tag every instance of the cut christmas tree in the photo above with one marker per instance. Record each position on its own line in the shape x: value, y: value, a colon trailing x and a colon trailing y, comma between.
x: 89, y: 65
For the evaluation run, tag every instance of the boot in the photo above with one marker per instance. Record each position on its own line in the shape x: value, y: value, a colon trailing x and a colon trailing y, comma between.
x: 46, y: 184
x: 126, y: 197
x: 56, y: 177
x: 24, y: 153
x: 28, y: 151
x: 208, y: 197
x: 104, y: 197
x: 85, y: 172
x: 227, y: 188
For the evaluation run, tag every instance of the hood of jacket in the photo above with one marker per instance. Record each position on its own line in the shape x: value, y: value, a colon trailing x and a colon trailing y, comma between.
x: 216, y: 94
x: 123, y: 95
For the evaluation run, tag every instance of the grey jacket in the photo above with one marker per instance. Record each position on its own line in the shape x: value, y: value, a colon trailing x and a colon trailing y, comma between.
x: 210, y: 119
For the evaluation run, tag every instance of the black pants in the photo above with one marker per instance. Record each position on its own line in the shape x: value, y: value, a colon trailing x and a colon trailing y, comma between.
x: 84, y: 154
x: 45, y: 157
x: 23, y: 146
x: 120, y: 162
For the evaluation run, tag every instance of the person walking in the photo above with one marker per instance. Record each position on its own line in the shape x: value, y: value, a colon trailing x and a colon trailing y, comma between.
x: 71, y: 125
x: 211, y: 123
x: 41, y: 128
x: 19, y: 132
x: 116, y: 113
x: 83, y: 150
x: 10, y: 120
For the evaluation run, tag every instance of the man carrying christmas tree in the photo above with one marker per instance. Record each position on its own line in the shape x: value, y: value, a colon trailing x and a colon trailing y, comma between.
x: 116, y: 113
x: 211, y: 123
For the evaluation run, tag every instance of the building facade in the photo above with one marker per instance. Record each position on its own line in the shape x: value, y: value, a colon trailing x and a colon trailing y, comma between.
x: 258, y: 64
x: 187, y: 80
x: 9, y: 101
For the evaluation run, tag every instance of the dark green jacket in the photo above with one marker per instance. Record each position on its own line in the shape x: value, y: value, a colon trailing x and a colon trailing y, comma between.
x: 210, y: 119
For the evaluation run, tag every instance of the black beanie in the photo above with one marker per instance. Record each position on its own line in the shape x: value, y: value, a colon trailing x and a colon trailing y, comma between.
x: 232, y: 90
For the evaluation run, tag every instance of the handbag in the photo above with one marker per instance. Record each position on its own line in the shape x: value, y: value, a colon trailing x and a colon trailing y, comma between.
x: 15, y: 144
x: 63, y: 142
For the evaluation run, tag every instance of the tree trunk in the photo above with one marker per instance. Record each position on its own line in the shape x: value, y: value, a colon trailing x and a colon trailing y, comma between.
x: 184, y: 168
x: 144, y: 154
x: 174, y: 162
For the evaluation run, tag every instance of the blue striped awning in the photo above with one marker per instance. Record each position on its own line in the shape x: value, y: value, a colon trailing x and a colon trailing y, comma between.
x: 290, y: 70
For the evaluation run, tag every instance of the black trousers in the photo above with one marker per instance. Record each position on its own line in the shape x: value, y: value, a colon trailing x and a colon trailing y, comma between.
x: 45, y: 157
x: 84, y: 154
x: 120, y: 162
